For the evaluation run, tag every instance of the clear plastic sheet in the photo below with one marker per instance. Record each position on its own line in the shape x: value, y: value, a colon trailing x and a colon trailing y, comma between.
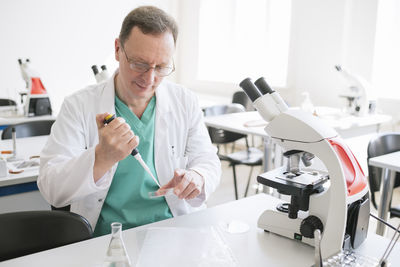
x: 195, y: 247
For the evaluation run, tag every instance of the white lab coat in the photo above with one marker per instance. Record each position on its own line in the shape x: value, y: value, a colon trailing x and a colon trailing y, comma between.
x: 181, y: 141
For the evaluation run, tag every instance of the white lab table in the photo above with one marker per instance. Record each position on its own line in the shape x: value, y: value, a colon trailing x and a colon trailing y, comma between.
x: 8, y: 120
x: 390, y: 163
x: 26, y: 147
x: 253, y: 124
x: 18, y: 191
x: 253, y: 248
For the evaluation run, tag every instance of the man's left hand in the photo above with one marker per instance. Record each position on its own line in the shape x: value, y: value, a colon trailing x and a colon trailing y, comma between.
x: 187, y: 184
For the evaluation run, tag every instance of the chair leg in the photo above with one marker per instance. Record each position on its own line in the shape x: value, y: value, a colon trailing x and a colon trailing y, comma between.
x: 225, y: 149
x: 234, y: 180
x: 248, y: 181
x: 258, y: 189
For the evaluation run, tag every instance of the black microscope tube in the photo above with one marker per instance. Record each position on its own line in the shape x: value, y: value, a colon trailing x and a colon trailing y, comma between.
x: 95, y: 69
x: 250, y: 89
x: 263, y: 86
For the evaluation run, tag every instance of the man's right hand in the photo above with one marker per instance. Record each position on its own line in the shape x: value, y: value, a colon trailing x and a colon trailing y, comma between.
x: 116, y: 142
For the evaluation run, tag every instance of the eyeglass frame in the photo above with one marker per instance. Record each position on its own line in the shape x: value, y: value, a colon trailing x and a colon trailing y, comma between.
x: 131, y: 62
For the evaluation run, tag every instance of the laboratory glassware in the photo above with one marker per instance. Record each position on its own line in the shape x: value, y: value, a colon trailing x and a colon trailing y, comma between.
x: 116, y: 253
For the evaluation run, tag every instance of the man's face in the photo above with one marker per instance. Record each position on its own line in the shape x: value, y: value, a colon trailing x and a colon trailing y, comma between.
x: 153, y: 50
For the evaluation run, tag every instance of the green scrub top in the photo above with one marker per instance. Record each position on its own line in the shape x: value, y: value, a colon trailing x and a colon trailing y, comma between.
x: 127, y: 200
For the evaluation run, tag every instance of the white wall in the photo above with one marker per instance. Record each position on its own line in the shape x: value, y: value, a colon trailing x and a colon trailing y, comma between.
x: 316, y: 46
x: 327, y: 33
x: 323, y: 34
x: 63, y: 39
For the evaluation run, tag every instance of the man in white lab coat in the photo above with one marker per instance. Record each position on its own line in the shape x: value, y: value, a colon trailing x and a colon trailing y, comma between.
x: 88, y: 165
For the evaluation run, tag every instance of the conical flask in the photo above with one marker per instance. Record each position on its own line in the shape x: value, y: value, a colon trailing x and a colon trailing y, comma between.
x: 116, y: 253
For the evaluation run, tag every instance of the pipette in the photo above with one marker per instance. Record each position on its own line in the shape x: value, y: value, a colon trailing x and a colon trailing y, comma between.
x: 134, y: 153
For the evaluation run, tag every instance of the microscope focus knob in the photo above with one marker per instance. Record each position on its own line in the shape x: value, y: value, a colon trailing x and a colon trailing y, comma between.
x: 309, y: 225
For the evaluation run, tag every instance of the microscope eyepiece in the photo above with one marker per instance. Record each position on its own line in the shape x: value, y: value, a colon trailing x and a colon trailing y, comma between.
x: 250, y: 89
x: 263, y: 86
x: 95, y: 69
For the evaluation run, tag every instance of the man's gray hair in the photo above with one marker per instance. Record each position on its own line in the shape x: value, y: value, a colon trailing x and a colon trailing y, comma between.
x: 150, y: 20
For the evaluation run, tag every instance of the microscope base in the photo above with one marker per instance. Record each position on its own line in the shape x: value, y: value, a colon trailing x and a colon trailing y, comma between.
x: 278, y: 223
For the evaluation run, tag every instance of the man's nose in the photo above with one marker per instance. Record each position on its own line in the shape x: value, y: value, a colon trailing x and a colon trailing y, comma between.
x: 149, y: 76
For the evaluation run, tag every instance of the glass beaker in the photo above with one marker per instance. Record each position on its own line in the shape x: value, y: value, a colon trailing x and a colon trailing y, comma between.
x: 116, y: 253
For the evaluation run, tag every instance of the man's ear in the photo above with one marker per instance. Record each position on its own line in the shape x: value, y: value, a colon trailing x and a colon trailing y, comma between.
x: 117, y: 47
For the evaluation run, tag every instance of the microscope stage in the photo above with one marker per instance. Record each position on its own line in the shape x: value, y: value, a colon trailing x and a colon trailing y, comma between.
x: 304, y: 182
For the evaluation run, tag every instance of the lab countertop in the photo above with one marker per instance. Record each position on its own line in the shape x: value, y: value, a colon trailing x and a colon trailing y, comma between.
x: 7, y: 120
x: 26, y: 148
x: 252, y: 248
x: 389, y: 161
x: 253, y: 123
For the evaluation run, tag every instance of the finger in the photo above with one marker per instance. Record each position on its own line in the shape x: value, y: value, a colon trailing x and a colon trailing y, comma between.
x: 181, y: 186
x: 128, y: 145
x: 123, y: 132
x: 127, y: 142
x: 133, y: 142
x: 124, y: 129
x: 194, y: 194
x: 127, y: 138
x: 187, y: 191
x: 170, y: 184
x: 116, y: 123
x: 128, y: 134
x: 179, y: 173
x: 100, y: 119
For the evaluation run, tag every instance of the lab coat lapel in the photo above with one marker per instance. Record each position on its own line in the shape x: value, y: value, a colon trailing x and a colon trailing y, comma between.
x: 107, y: 98
x: 163, y: 115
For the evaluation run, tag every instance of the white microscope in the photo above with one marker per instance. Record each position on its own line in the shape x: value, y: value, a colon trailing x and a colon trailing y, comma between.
x: 333, y: 199
x: 358, y: 94
x: 37, y: 101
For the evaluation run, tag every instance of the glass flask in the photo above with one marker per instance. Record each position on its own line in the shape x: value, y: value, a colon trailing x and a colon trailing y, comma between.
x: 116, y: 253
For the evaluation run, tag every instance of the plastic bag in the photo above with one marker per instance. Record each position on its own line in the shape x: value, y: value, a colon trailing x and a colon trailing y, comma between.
x: 196, y: 247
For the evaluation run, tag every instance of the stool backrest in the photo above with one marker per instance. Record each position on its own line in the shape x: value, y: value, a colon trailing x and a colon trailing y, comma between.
x: 7, y: 102
x: 27, y: 232
x: 219, y: 136
x: 29, y: 128
x: 382, y: 144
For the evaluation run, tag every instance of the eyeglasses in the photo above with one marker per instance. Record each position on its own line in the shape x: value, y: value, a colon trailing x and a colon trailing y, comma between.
x: 141, y: 67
